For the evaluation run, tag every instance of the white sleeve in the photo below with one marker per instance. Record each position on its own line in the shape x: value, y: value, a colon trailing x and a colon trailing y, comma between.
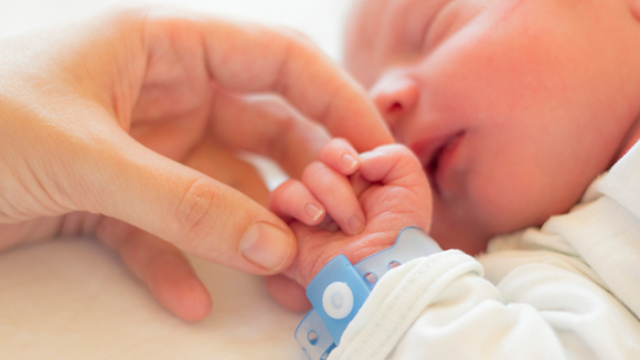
x: 441, y: 307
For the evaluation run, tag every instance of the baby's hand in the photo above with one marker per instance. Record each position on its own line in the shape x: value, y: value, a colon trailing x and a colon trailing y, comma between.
x: 369, y: 198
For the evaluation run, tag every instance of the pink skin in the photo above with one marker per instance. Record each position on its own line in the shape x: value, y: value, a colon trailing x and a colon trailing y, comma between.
x: 386, y: 187
x: 126, y: 128
x: 513, y: 106
x: 327, y: 177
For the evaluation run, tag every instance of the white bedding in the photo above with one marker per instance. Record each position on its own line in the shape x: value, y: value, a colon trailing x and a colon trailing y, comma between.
x: 74, y: 299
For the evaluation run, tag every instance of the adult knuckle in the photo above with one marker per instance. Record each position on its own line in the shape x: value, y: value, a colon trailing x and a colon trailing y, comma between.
x: 283, y: 127
x: 296, y: 47
x: 149, y: 21
x: 196, y: 210
x: 297, y: 38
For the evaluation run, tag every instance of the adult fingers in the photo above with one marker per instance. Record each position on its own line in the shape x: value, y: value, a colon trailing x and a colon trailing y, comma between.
x: 230, y: 170
x: 287, y: 292
x: 268, y: 126
x: 29, y: 231
x: 253, y: 58
x: 334, y: 191
x: 160, y: 266
x: 116, y: 176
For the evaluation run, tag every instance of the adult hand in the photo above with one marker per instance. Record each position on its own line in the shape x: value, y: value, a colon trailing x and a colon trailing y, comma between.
x: 106, y: 124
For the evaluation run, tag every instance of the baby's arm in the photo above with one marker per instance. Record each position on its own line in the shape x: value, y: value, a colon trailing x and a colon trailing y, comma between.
x: 541, y: 304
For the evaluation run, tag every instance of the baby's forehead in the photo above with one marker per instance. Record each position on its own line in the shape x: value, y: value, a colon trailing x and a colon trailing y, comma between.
x: 372, y: 19
x: 360, y: 18
x: 374, y: 23
x: 364, y: 15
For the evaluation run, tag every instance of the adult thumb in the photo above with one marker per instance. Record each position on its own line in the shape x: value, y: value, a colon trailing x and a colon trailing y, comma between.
x: 187, y: 208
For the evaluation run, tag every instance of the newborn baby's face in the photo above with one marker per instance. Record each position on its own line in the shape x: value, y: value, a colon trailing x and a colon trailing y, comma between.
x: 513, y: 106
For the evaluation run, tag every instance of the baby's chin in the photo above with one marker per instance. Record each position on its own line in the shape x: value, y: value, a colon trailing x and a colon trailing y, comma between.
x: 451, y: 230
x: 470, y: 245
x: 458, y: 235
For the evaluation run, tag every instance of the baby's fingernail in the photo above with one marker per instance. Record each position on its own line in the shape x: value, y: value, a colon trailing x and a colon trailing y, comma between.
x: 313, y: 211
x: 266, y: 245
x: 349, y: 161
x: 356, y: 224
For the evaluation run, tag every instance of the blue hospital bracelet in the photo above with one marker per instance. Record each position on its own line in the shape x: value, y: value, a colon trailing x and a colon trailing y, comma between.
x: 340, y: 289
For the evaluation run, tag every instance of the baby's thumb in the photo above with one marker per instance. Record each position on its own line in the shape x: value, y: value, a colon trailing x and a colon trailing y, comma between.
x: 182, y: 206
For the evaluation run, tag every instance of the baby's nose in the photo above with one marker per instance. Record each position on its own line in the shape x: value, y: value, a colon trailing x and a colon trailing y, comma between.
x: 396, y: 97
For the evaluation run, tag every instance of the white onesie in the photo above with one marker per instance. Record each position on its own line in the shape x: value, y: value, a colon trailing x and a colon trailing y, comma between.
x: 569, y: 290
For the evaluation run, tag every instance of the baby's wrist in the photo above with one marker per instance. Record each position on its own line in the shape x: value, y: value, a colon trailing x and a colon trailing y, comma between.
x: 339, y: 290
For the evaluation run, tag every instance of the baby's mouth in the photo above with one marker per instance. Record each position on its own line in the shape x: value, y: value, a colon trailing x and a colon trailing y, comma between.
x: 434, y: 156
x: 431, y: 168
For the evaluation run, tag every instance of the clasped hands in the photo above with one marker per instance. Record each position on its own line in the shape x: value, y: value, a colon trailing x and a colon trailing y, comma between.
x: 347, y: 203
x: 127, y: 127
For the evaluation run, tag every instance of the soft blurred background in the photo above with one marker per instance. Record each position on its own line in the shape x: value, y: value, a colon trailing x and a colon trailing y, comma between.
x: 74, y: 299
x: 321, y: 20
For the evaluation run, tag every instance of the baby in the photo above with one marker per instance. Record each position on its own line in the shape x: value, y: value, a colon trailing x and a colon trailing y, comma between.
x: 513, y: 109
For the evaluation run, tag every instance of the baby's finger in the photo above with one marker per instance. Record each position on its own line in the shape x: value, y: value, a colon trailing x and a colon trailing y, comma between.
x: 293, y: 200
x: 392, y: 164
x: 334, y: 191
x: 339, y: 155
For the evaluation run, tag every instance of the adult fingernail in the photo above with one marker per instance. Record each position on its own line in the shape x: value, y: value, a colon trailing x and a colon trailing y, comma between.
x: 266, y: 245
x: 313, y: 211
x: 349, y: 161
x: 356, y: 224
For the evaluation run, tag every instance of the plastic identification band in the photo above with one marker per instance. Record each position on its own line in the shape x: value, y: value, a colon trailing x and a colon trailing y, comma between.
x: 338, y: 291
